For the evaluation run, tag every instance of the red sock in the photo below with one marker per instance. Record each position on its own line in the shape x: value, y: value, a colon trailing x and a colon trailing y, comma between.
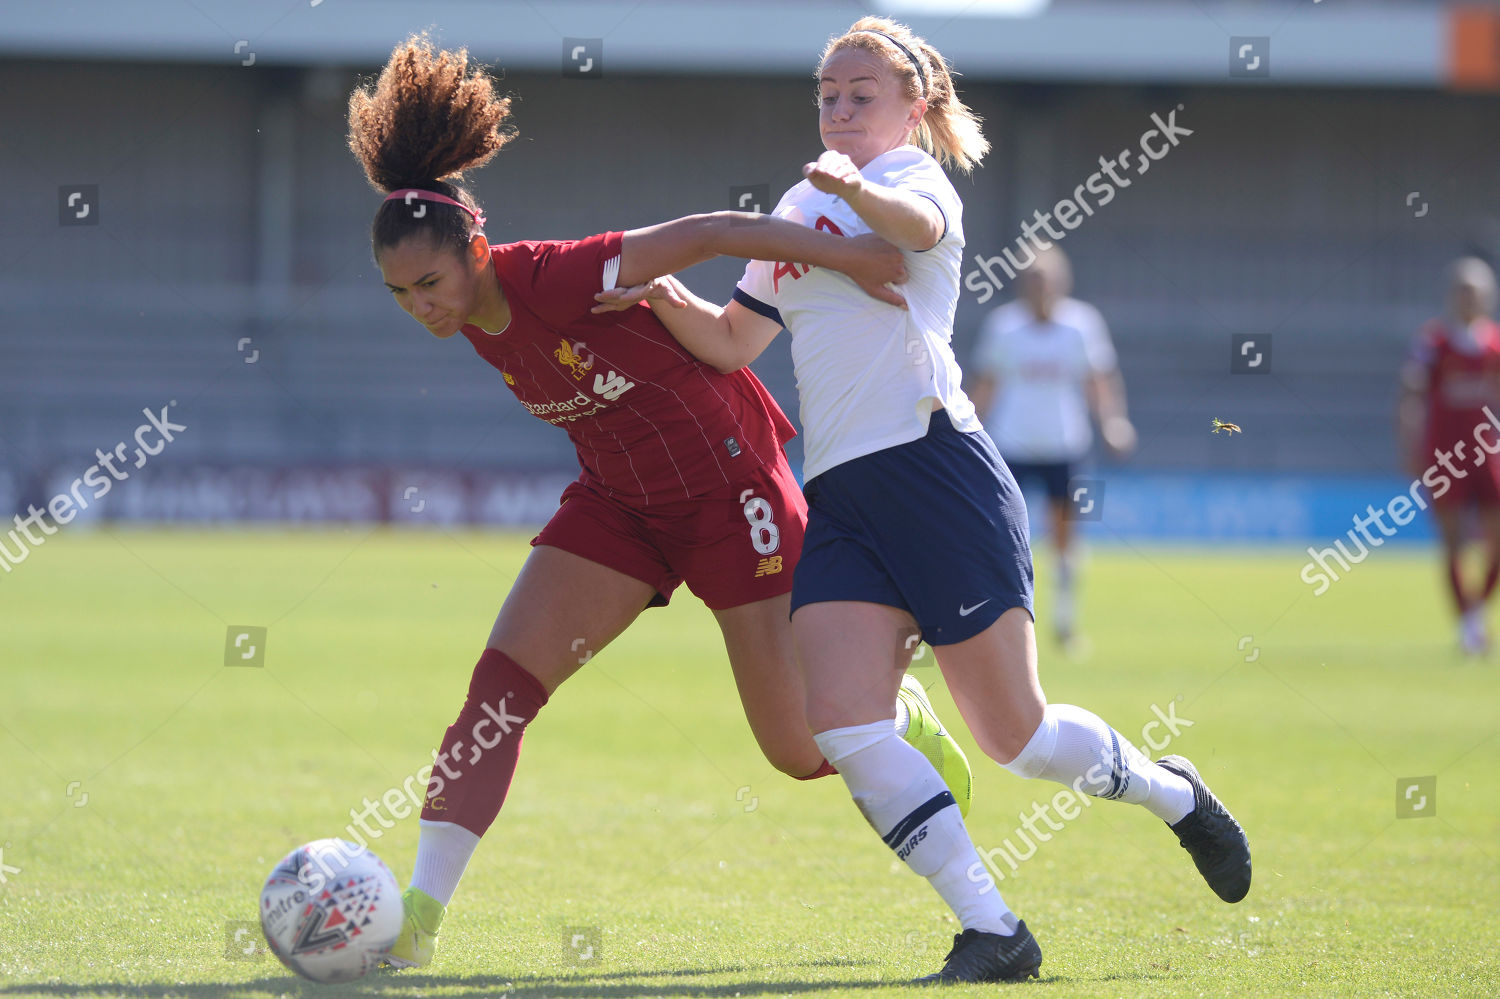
x: 826, y: 770
x: 1456, y: 584
x: 472, y: 772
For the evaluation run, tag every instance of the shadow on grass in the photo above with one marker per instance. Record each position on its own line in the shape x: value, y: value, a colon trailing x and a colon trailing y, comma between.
x: 615, y: 985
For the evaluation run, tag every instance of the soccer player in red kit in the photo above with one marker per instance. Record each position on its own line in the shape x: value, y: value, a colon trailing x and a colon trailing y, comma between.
x: 683, y: 477
x: 1451, y: 392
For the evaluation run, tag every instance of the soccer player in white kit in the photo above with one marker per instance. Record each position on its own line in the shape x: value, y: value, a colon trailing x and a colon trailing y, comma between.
x: 915, y: 526
x: 1043, y: 364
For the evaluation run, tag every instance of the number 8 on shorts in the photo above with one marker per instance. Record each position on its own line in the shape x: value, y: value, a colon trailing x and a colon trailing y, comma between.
x: 764, y: 534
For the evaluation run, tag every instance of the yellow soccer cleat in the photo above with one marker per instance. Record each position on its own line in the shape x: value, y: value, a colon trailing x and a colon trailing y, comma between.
x: 927, y: 735
x: 418, y: 940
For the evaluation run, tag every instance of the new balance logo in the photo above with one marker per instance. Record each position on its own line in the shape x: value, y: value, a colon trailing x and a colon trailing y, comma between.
x: 612, y: 387
x: 768, y: 566
x: 911, y: 844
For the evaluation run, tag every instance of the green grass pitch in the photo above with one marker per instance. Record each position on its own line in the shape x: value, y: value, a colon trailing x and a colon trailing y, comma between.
x: 148, y: 788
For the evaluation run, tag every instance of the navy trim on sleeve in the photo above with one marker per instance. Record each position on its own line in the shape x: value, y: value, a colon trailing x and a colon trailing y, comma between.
x: 757, y: 306
x: 934, y: 246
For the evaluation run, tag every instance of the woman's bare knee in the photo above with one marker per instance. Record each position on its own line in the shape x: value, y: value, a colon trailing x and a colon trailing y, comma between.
x: 794, y: 760
x: 1003, y: 744
x: 853, y: 656
x: 993, y: 680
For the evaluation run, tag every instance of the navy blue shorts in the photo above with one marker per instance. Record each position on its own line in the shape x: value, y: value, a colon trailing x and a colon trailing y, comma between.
x: 936, y: 527
x: 1053, y: 475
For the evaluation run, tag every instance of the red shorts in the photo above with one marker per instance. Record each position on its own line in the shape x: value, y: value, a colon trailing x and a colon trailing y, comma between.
x: 1479, y: 488
x: 735, y: 546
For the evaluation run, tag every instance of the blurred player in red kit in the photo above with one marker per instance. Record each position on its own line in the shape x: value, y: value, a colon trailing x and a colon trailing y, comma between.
x: 1448, y: 414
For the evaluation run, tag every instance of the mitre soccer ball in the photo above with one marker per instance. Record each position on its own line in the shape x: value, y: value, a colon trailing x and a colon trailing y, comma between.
x: 330, y: 910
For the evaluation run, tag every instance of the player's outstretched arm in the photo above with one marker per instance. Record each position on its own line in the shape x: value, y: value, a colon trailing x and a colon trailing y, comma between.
x: 870, y: 262
x: 727, y: 338
x: 908, y: 220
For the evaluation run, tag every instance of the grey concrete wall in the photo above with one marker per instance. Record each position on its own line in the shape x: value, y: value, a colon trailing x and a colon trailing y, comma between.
x: 230, y: 208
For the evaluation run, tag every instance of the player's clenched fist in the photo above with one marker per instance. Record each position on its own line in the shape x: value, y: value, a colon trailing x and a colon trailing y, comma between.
x: 834, y: 173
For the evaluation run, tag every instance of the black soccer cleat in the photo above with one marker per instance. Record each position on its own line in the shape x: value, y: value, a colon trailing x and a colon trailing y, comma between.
x: 1211, y: 837
x: 989, y: 957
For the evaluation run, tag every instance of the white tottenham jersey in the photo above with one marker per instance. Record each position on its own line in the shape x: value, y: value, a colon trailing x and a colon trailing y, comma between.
x: 1041, y: 412
x: 869, y: 374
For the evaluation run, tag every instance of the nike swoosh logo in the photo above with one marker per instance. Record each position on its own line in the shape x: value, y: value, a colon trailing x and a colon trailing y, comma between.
x: 966, y: 611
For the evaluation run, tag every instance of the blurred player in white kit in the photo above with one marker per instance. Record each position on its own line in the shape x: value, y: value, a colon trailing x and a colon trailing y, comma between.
x: 1045, y: 363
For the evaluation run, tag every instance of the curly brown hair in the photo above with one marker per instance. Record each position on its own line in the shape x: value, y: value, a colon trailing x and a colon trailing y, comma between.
x: 950, y: 129
x: 427, y: 118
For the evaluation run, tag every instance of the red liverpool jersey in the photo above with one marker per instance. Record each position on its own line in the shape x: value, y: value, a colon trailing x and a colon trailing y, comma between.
x: 1461, y: 382
x: 651, y: 423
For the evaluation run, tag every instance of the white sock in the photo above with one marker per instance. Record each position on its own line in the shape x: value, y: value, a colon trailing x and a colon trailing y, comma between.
x: 908, y: 804
x: 1074, y: 746
x: 443, y: 851
x: 1064, y: 610
x: 1065, y: 564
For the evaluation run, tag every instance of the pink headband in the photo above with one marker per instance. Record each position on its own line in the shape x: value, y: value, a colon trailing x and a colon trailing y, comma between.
x: 407, y: 193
